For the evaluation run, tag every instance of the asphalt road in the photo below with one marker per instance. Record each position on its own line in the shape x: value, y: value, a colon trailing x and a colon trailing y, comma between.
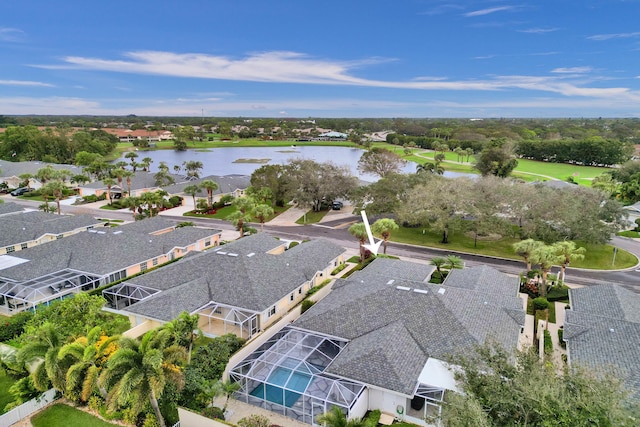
x: 629, y: 278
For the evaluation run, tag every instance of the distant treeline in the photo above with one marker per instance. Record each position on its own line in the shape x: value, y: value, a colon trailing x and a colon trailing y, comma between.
x: 21, y: 143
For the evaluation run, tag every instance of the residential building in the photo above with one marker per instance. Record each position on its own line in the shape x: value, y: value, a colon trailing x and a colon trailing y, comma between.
x: 20, y: 229
x: 602, y: 332
x: 241, y: 287
x: 11, y: 171
x: 88, y: 260
x: 234, y: 185
x: 380, y: 340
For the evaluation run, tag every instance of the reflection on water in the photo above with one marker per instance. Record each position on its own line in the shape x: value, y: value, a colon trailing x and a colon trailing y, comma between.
x: 220, y: 161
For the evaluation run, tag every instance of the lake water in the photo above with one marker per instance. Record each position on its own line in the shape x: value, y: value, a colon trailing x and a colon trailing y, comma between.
x: 220, y: 161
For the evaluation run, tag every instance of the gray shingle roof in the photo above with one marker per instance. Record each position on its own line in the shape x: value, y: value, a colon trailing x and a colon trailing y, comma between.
x: 226, y: 184
x: 253, y: 282
x: 441, y: 320
x: 482, y: 278
x: 139, y: 180
x: 18, y: 168
x: 602, y: 330
x: 27, y: 226
x: 10, y: 208
x: 104, y: 251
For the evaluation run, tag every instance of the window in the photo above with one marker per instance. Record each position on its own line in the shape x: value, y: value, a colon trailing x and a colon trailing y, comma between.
x: 59, y: 236
x: 299, y: 290
x: 24, y: 245
x: 11, y: 249
x: 291, y: 297
x: 272, y: 311
x: 90, y: 227
x: 207, y: 242
x: 155, y: 261
x: 143, y: 266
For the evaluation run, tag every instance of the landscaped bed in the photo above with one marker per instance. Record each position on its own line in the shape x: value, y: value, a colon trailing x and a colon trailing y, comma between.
x: 6, y: 381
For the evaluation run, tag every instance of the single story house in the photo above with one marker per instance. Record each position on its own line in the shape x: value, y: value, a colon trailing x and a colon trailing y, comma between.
x: 241, y: 287
x: 20, y: 229
x: 93, y: 258
x: 602, y: 332
x: 234, y: 185
x: 141, y: 182
x: 10, y: 172
x: 380, y: 340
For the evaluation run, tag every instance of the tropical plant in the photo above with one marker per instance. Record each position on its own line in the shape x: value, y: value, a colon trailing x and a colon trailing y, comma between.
x: 210, y: 186
x: 568, y: 251
x: 109, y: 182
x: 140, y: 369
x: 453, y: 261
x: 430, y: 167
x: 525, y: 248
x: 56, y: 190
x: 192, y: 190
x: 132, y: 156
x: 546, y: 257
x: 438, y: 262
x: 336, y: 418
x: 183, y: 330
x: 359, y: 231
x: 384, y: 227
x: 261, y: 213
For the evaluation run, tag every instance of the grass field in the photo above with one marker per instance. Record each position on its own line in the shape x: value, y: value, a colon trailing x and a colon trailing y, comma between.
x: 60, y: 415
x: 223, y: 213
x: 596, y: 257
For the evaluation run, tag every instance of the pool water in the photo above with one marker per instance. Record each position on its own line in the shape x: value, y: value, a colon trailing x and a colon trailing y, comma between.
x: 275, y: 391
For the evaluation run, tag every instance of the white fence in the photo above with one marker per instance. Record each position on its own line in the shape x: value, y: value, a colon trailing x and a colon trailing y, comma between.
x: 27, y: 408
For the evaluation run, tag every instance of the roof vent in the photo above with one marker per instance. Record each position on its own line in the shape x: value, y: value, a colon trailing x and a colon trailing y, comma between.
x: 101, y: 232
x: 421, y: 291
x: 485, y: 303
x: 612, y: 330
x: 221, y: 253
x: 403, y: 288
x: 90, y: 231
x: 251, y: 254
x: 231, y: 254
x: 390, y: 282
x: 441, y: 291
x: 117, y: 232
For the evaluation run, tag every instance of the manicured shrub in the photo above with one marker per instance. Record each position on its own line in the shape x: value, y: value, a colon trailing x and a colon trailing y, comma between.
x: 540, y: 303
x: 306, y: 305
x: 338, y: 269
x: 14, y: 325
x: 560, y: 338
x: 558, y: 293
x: 175, y: 201
x: 90, y: 198
x: 548, y: 344
x: 213, y: 412
x: 293, y: 244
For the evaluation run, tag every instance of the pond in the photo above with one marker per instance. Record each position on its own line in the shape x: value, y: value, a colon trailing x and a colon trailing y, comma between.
x: 244, y: 160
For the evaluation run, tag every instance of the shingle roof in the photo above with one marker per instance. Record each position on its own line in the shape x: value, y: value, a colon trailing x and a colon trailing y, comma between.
x: 241, y: 274
x: 226, y: 184
x: 441, y: 321
x: 602, y: 330
x: 482, y: 278
x: 18, y: 168
x: 139, y: 180
x: 27, y: 226
x: 10, y: 208
x: 104, y: 251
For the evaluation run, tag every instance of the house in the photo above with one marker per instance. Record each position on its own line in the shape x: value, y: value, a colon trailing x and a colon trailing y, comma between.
x: 380, y: 340
x: 602, y: 332
x: 93, y: 258
x: 234, y: 185
x: 11, y: 171
x: 141, y: 182
x: 20, y: 229
x: 241, y: 287
x: 128, y: 135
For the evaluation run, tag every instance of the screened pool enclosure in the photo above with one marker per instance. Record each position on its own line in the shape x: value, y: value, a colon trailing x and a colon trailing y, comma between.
x: 286, y: 375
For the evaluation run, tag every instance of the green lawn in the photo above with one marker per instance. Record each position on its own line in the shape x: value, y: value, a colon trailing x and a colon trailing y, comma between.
x: 312, y: 217
x: 60, y: 415
x: 596, y: 257
x: 224, y: 212
x: 630, y: 233
x: 6, y: 381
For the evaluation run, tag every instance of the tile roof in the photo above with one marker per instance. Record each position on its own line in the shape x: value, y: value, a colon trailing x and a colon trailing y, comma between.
x: 602, y: 330
x: 440, y: 320
x: 241, y: 274
x: 26, y: 226
x: 104, y: 251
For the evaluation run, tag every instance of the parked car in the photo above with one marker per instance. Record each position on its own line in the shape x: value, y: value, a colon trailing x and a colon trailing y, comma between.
x: 20, y: 191
x: 337, y: 205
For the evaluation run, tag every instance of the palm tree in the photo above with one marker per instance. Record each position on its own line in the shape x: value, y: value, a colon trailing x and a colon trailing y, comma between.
x: 438, y: 262
x: 42, y: 350
x: 90, y: 355
x: 239, y: 219
x: 146, y: 163
x: 525, y: 248
x: 192, y: 168
x: 430, y: 167
x: 109, y: 182
x: 139, y: 371
x: 128, y: 175
x: 359, y: 231
x: 132, y: 156
x: 120, y: 164
x: 210, y: 186
x: 80, y: 179
x: 192, y: 190
x: 336, y: 418
x: 26, y: 177
x: 133, y: 203
x: 384, y: 227
x: 568, y: 251
x: 468, y: 152
x: 453, y: 261
x: 545, y: 256
x: 182, y: 330
x: 55, y: 189
x: 261, y: 213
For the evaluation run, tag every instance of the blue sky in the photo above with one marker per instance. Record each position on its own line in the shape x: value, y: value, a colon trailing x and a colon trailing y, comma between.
x: 348, y: 58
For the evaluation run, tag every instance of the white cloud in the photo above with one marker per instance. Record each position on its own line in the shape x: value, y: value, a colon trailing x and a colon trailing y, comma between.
x: 11, y: 34
x: 487, y: 11
x: 600, y: 37
x: 24, y: 83
x: 538, y: 30
x: 572, y: 70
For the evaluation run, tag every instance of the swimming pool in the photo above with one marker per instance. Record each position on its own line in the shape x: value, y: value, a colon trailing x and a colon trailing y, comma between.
x: 275, y: 392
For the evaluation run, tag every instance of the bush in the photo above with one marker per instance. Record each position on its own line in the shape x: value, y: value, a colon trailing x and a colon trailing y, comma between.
x: 558, y: 293
x: 317, y: 288
x: 540, y: 303
x: 14, y: 325
x: 548, y: 344
x: 213, y: 412
x: 293, y: 244
x: 373, y: 417
x: 175, y: 201
x: 306, y: 305
x: 560, y: 338
x: 338, y: 269
x: 532, y: 274
x: 90, y: 198
x: 254, y: 421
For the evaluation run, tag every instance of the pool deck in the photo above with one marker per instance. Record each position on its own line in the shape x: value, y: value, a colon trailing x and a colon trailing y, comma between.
x: 237, y: 410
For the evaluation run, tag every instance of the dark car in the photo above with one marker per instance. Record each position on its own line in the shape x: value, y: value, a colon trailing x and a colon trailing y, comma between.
x: 20, y: 191
x: 337, y: 205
